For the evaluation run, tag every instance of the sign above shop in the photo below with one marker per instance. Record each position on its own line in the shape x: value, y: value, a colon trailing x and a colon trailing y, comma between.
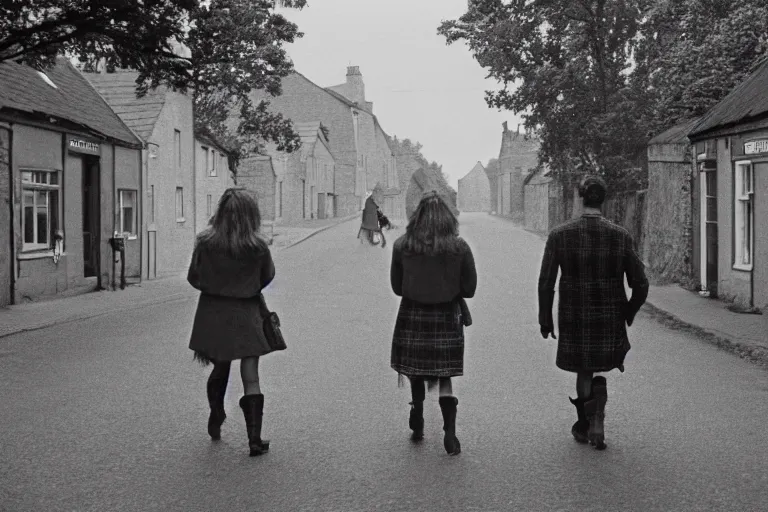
x: 79, y: 145
x: 756, y: 146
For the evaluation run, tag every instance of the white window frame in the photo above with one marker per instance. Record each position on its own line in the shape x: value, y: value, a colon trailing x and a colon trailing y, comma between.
x: 743, y: 213
x: 38, y: 187
x: 180, y: 204
x: 131, y: 235
x: 213, y: 171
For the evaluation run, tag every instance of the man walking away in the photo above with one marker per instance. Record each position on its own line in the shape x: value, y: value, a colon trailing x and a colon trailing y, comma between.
x: 593, y: 255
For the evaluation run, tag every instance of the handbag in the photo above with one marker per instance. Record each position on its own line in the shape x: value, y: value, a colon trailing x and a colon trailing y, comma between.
x: 271, y: 326
x: 465, y: 318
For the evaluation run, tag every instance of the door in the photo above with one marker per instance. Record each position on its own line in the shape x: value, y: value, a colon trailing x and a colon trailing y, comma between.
x: 320, y: 205
x: 91, y: 217
x: 710, y: 232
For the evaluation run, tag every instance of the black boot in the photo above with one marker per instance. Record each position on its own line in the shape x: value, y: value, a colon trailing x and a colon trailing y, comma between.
x: 595, y: 411
x: 448, y: 407
x: 580, y: 428
x: 253, y: 408
x: 216, y: 389
x: 416, y: 419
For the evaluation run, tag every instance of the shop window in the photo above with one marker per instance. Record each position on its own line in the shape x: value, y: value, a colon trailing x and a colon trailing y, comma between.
x: 214, y: 167
x: 40, y: 196
x: 179, y: 204
x: 743, y: 215
x: 129, y: 212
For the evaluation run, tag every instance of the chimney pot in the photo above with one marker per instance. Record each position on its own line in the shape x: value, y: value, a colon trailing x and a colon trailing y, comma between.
x: 353, y: 70
x: 504, y: 124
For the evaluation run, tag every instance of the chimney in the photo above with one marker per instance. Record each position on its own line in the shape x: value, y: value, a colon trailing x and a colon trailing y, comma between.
x: 355, y: 86
x: 504, y: 124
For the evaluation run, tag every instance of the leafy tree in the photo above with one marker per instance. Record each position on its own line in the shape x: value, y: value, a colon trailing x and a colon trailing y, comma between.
x: 567, y: 63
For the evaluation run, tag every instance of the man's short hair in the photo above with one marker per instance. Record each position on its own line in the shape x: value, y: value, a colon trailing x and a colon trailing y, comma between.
x: 593, y: 190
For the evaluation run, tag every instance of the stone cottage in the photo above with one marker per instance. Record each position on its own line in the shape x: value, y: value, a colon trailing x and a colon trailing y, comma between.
x: 518, y: 156
x: 474, y: 194
x: 70, y: 180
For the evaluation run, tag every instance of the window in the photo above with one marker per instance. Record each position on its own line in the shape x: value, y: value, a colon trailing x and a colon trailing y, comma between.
x: 215, y: 158
x: 40, y: 190
x: 207, y: 164
x: 743, y: 215
x: 128, y: 212
x: 209, y: 205
x: 177, y: 148
x: 179, y: 204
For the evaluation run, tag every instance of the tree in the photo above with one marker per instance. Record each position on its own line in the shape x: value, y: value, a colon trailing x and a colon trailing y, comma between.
x: 135, y: 34
x: 568, y: 62
x: 237, y: 47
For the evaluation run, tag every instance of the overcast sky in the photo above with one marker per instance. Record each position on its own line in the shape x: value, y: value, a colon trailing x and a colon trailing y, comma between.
x: 421, y: 89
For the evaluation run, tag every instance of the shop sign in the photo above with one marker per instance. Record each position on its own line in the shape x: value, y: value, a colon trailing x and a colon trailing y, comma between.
x: 756, y: 146
x: 80, y: 145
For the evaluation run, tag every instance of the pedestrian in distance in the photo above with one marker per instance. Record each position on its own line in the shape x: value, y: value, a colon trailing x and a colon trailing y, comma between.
x: 433, y: 270
x: 231, y: 265
x: 370, y: 229
x: 593, y: 255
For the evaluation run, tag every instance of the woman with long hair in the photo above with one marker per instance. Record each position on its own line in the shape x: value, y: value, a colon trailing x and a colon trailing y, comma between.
x: 231, y: 265
x: 433, y: 270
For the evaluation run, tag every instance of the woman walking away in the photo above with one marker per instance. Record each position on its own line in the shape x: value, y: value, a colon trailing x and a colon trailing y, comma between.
x: 370, y: 228
x: 231, y: 265
x: 433, y: 270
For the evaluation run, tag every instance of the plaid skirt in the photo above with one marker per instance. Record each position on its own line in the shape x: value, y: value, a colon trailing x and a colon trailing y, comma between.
x: 428, y: 340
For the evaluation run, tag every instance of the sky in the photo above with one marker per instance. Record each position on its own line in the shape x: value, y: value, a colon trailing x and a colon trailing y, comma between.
x: 421, y: 89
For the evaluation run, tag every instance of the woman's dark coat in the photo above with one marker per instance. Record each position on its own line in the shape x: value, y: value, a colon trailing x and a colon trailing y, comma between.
x: 370, y: 216
x: 228, y: 322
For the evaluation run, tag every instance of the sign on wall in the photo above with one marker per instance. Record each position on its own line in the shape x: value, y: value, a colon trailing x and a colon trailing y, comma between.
x: 81, y: 145
x: 756, y: 146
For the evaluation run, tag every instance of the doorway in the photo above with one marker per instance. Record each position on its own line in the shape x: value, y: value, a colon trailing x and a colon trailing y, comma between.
x: 91, y: 217
x: 709, y: 254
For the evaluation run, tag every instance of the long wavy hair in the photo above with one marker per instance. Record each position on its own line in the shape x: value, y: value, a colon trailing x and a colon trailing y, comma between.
x: 433, y: 228
x: 234, y: 228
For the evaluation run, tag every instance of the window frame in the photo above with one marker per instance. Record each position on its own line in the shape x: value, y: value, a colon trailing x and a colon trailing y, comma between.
x: 206, y: 152
x: 741, y: 199
x: 121, y: 219
x: 177, y: 147
x: 209, y: 205
x: 53, y: 224
x: 213, y: 172
x: 180, y: 205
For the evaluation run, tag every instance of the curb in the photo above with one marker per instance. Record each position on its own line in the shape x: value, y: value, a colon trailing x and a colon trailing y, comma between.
x: 752, y: 353
x: 319, y: 230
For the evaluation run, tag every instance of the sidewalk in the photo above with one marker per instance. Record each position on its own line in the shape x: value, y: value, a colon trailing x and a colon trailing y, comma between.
x: 38, y: 315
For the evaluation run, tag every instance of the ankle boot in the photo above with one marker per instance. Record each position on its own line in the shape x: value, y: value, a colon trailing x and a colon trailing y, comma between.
x: 253, y: 408
x: 450, y: 441
x: 580, y: 428
x: 595, y: 410
x: 416, y: 419
x: 216, y: 389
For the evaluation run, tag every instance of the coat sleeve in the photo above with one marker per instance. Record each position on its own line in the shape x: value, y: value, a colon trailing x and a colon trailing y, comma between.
x: 267, y: 270
x: 193, y: 275
x: 547, y: 278
x: 396, y: 271
x: 468, y: 274
x: 636, y: 278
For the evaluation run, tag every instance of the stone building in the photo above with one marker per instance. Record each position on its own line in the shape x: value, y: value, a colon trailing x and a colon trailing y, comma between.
x: 518, y: 156
x: 70, y: 180
x: 356, y: 140
x: 474, y: 194
x: 163, y: 120
x: 257, y: 174
x: 213, y: 176
x: 541, y: 201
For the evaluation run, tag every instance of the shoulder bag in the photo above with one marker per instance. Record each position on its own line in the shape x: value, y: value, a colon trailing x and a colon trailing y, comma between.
x: 271, y: 327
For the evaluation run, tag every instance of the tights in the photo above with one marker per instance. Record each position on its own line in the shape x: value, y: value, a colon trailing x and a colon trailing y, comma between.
x: 583, y: 385
x: 417, y: 387
x: 249, y: 372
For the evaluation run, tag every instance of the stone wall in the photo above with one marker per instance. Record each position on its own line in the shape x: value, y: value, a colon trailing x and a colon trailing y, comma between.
x: 256, y: 174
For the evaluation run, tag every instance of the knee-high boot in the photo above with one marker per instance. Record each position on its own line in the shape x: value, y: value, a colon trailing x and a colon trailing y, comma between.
x: 580, y: 428
x: 253, y: 409
x: 416, y: 419
x: 448, y: 406
x: 216, y: 388
x: 595, y: 410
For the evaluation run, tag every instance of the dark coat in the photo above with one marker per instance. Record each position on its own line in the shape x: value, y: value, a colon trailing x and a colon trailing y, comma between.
x: 228, y: 321
x: 370, y: 215
x: 593, y: 255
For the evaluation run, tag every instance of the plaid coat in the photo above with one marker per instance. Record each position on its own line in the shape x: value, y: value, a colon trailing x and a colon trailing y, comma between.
x: 593, y: 256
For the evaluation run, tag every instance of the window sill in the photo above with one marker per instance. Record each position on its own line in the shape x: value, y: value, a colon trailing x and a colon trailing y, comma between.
x: 37, y: 255
x: 743, y: 268
x: 181, y: 220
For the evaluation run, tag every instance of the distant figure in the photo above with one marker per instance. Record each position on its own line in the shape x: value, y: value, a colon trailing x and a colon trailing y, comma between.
x: 370, y: 229
x: 433, y: 270
x: 593, y: 255
x: 231, y: 265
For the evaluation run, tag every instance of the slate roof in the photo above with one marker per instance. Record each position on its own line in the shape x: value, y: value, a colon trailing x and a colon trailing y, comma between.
x: 119, y: 90
x: 478, y: 166
x: 745, y: 102
x: 675, y: 135
x: 24, y: 89
x: 309, y: 132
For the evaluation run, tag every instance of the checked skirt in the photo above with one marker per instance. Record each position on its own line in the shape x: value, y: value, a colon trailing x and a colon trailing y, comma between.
x: 428, y: 340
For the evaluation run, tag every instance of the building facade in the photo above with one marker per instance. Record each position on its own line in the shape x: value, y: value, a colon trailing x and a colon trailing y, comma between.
x: 474, y: 194
x: 213, y: 176
x: 730, y: 207
x: 518, y: 155
x: 541, y: 201
x: 257, y: 174
x: 71, y: 180
x: 163, y: 119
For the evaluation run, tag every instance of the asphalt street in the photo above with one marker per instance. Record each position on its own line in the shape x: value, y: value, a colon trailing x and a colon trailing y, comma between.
x: 109, y: 413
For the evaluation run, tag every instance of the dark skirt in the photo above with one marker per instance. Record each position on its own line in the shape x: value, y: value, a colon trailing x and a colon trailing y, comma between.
x: 428, y: 340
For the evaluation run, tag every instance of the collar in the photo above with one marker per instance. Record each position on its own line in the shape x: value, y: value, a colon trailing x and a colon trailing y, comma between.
x: 591, y: 212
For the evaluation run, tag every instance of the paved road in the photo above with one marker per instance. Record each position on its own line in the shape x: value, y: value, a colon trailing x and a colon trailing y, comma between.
x: 109, y: 414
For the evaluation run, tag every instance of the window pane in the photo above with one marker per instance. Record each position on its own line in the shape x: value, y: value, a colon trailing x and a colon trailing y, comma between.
x: 179, y: 203
x: 26, y: 176
x: 29, y: 217
x: 53, y: 178
x: 128, y: 219
x: 747, y: 232
x: 42, y: 217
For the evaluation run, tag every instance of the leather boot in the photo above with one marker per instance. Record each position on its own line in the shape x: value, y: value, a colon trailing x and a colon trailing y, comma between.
x: 253, y: 408
x: 416, y: 419
x: 580, y: 428
x: 216, y: 388
x: 595, y: 411
x: 450, y: 441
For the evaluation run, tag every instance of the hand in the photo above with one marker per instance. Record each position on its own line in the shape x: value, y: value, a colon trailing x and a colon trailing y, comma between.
x: 629, y: 316
x: 547, y: 330
x: 629, y: 319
